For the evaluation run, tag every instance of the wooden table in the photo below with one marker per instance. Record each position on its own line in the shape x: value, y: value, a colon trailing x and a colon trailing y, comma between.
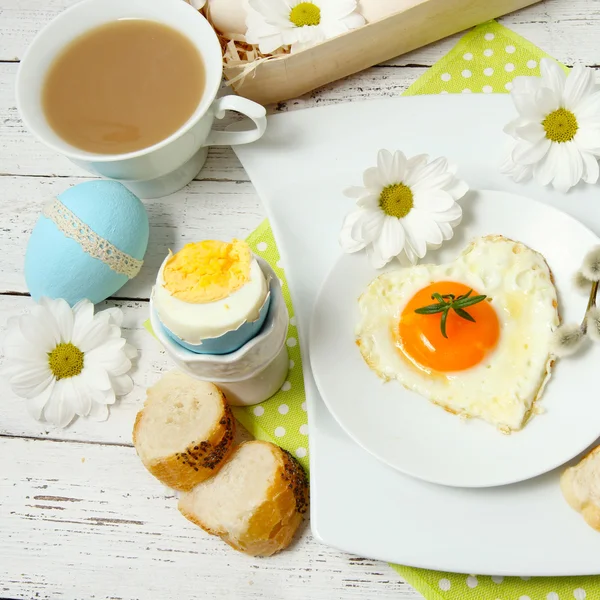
x: 79, y: 516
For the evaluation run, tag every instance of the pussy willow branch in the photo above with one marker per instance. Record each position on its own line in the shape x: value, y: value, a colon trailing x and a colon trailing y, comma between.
x: 591, y: 304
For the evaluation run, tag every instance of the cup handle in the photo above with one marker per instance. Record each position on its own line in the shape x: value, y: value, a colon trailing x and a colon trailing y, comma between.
x: 246, y: 107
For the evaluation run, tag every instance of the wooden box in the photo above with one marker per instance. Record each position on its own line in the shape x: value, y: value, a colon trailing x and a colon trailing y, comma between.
x: 417, y: 23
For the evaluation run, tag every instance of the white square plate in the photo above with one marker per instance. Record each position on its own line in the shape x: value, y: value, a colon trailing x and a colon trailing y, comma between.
x: 358, y: 504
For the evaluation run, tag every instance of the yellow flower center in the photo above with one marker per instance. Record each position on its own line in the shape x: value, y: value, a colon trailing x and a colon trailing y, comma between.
x: 560, y: 125
x: 396, y: 200
x: 305, y: 13
x: 65, y: 361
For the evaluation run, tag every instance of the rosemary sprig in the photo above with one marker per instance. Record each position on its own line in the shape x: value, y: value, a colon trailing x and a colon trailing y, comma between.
x: 447, y: 302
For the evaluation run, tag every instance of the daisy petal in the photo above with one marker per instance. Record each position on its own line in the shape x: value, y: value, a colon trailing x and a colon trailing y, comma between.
x: 346, y: 241
x: 355, y: 192
x: 452, y: 215
x: 432, y: 182
x: 94, y: 335
x: 553, y: 76
x: 109, y: 357
x: 115, y: 315
x: 457, y: 188
x: 47, y: 309
x: 419, y: 229
x: 446, y: 230
x: 36, y: 329
x: 399, y: 167
x: 569, y: 167
x: 410, y: 254
x: 35, y: 405
x: 368, y: 225
x: 391, y: 239
x: 59, y: 410
x: 81, y: 397
x: 373, y: 180
x: 266, y: 44
x: 525, y: 85
x: 527, y: 107
x: 95, y: 377
x: 518, y: 173
x: 385, y: 163
x: 98, y: 412
x: 588, y: 110
x: 122, y: 384
x: 588, y: 138
x: 532, y: 132
x: 545, y: 170
x: 591, y: 170
x: 430, y: 230
x: 525, y: 153
x: 547, y: 100
x: 579, y: 85
x: 436, y: 200
x: 83, y: 313
x: 414, y: 167
x: 371, y: 201
x: 338, y: 10
x: 63, y: 315
x: 511, y: 127
x: 375, y: 258
x: 30, y: 379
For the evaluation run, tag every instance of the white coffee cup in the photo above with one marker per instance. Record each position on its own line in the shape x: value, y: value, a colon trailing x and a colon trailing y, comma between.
x: 164, y: 167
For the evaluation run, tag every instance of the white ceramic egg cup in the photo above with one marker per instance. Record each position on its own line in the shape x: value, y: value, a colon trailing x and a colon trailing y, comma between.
x: 254, y: 372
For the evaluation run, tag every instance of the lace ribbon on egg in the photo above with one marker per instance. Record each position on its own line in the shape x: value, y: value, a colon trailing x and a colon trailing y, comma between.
x: 91, y: 243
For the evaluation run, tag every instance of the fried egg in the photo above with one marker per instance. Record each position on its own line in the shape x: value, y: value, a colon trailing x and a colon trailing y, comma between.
x: 493, y: 367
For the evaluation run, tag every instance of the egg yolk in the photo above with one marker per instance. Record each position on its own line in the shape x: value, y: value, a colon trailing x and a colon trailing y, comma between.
x: 208, y: 271
x: 467, y: 343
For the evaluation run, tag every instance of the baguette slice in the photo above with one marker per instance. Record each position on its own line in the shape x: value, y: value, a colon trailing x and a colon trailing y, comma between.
x: 256, y: 501
x: 580, y: 486
x: 184, y: 433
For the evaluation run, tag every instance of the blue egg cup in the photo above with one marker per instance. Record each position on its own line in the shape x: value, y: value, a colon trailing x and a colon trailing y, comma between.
x: 230, y: 341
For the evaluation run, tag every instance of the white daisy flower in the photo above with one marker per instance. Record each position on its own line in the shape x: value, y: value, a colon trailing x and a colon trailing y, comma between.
x: 556, y: 137
x: 272, y: 24
x: 405, y: 206
x: 67, y: 361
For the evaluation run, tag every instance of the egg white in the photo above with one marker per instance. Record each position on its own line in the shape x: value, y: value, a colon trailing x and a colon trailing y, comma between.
x: 503, y: 388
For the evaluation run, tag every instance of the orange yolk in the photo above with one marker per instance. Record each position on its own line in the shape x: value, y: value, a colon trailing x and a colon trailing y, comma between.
x: 467, y: 343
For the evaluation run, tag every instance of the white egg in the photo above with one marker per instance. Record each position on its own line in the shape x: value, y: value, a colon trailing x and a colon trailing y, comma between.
x: 374, y: 10
x: 510, y: 375
x: 228, y: 16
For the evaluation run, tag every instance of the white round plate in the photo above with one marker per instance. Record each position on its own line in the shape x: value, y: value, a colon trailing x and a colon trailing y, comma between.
x: 411, y: 434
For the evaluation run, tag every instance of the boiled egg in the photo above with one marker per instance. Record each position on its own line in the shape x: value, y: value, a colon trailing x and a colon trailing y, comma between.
x: 208, y: 289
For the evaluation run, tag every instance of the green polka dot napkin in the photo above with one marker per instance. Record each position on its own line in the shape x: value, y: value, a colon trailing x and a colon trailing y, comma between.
x: 484, y: 60
x: 282, y: 418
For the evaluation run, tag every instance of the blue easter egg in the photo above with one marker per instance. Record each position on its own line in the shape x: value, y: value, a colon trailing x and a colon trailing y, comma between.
x: 56, y: 264
x: 230, y: 341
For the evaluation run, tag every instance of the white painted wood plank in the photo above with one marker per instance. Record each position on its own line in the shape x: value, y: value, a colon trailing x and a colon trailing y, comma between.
x: 204, y: 209
x: 88, y: 521
x: 551, y: 24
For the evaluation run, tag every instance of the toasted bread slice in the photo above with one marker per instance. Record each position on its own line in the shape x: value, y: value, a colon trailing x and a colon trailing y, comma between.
x: 185, y: 431
x: 256, y: 501
x: 580, y: 486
